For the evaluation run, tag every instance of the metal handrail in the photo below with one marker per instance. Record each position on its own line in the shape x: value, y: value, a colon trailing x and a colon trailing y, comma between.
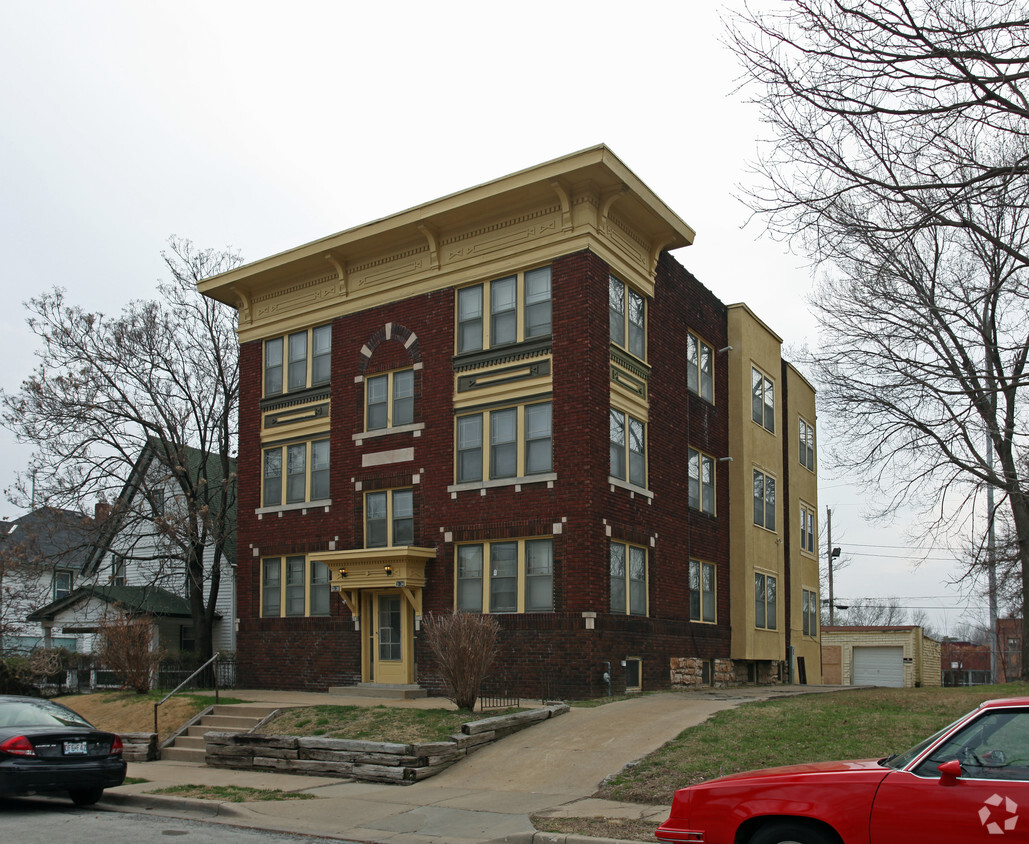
x: 183, y: 683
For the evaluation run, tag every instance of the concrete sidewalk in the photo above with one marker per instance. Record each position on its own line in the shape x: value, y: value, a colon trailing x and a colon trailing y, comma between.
x: 551, y: 768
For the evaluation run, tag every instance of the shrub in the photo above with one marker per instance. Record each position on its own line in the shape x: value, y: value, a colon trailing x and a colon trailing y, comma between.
x: 126, y: 649
x: 465, y: 646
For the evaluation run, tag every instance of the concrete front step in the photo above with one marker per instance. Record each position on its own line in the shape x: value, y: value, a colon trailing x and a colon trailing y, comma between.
x: 392, y: 691
x: 198, y: 730
x: 183, y: 754
x: 218, y: 722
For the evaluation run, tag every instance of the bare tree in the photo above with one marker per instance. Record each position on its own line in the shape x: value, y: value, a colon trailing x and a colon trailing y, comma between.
x: 160, y: 378
x: 465, y: 646
x: 900, y: 163
x: 872, y: 613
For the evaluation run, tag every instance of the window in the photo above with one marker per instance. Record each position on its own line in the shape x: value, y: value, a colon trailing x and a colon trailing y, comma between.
x: 764, y: 601
x: 764, y: 500
x: 628, y: 448
x: 306, y: 589
x: 519, y: 577
x: 63, y: 582
x: 519, y: 308
x: 118, y: 571
x: 389, y: 400
x: 807, y: 530
x: 628, y: 579
x: 762, y: 399
x: 389, y: 518
x: 318, y: 599
x: 187, y: 639
x: 702, y: 481
x: 306, y: 356
x: 700, y: 377
x: 702, y: 591
x: 520, y: 443
x: 807, y: 445
x: 306, y: 477
x: 810, y: 609
x: 627, y: 316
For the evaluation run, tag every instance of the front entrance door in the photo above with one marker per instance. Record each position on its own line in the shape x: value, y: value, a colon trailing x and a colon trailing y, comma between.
x: 391, y: 647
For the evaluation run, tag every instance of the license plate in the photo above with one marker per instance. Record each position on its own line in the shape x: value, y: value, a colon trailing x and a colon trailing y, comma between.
x: 75, y: 748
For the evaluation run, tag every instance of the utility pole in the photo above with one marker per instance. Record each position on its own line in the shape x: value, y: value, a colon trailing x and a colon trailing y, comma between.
x: 828, y: 535
x: 991, y: 564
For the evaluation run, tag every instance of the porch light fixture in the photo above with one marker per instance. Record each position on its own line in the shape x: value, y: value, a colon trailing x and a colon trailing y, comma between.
x: 342, y: 572
x: 388, y: 569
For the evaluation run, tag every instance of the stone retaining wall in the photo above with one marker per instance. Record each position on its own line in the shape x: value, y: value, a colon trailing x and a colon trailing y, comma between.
x: 139, y: 747
x: 364, y: 760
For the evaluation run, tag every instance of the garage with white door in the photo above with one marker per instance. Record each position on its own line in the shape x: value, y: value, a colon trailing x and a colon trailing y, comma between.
x: 879, y: 666
x: 892, y: 656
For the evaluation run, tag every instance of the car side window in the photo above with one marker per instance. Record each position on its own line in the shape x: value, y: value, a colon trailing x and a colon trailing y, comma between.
x: 995, y: 746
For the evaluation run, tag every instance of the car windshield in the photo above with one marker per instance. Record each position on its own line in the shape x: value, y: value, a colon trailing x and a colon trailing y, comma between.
x: 38, y: 713
x: 900, y: 760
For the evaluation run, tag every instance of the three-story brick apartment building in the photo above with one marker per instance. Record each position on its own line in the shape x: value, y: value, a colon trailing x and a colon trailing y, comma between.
x: 513, y: 400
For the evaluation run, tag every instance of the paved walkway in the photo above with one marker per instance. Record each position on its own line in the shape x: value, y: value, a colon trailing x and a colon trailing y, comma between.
x: 551, y: 768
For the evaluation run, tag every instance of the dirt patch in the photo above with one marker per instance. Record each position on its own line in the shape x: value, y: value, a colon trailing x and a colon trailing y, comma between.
x: 127, y: 712
x: 623, y: 829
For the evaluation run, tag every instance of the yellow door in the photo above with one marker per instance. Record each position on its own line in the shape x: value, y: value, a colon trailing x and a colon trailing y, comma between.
x: 391, y: 650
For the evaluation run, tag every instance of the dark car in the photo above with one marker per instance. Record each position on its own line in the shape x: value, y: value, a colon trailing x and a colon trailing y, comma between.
x: 46, y: 747
x: 968, y: 782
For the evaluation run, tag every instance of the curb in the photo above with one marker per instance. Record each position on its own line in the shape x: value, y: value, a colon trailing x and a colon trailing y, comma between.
x: 561, y: 838
x: 183, y: 806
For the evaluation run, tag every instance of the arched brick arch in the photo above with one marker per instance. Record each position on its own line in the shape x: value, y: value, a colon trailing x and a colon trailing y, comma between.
x: 391, y: 331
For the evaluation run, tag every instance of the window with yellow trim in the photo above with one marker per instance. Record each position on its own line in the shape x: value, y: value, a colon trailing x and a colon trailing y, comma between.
x: 389, y: 518
x: 702, y: 591
x: 810, y: 610
x: 807, y: 444
x: 627, y: 317
x: 295, y: 473
x: 294, y: 586
x: 628, y: 438
x: 508, y: 576
x: 807, y: 529
x: 508, y: 442
x: 297, y: 360
x: 701, y: 468
x: 700, y: 367
x: 628, y: 579
x: 504, y: 311
x: 389, y: 400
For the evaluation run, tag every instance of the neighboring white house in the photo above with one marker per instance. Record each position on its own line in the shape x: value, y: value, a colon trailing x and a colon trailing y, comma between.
x: 43, y: 555
x: 135, y: 567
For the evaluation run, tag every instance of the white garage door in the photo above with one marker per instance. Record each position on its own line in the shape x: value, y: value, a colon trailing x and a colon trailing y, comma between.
x: 879, y: 667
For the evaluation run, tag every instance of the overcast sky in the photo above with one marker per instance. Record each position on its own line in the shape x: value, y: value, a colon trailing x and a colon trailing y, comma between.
x: 261, y: 126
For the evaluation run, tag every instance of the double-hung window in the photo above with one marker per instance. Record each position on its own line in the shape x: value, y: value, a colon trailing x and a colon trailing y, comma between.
x: 298, y: 360
x: 700, y: 376
x: 389, y: 400
x: 764, y: 601
x: 63, y: 583
x: 702, y: 481
x: 762, y: 399
x: 807, y: 529
x: 627, y: 315
x: 702, y: 591
x: 628, y: 581
x: 504, y: 311
x: 810, y: 610
x: 389, y: 518
x: 520, y: 443
x: 628, y: 439
x: 506, y: 577
x: 807, y: 445
x: 291, y: 586
x: 764, y: 500
x: 296, y: 473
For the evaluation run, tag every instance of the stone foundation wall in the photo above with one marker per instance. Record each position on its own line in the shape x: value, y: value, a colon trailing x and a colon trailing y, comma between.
x: 402, y: 764
x: 688, y: 672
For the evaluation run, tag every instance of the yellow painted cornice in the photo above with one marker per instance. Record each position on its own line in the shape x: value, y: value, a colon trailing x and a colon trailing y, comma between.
x: 588, y: 199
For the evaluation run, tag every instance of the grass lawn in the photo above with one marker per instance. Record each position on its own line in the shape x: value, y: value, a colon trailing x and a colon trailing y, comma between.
x: 855, y: 724
x: 373, y: 723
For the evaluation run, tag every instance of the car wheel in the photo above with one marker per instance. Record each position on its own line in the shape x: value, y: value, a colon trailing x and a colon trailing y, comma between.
x: 85, y: 796
x: 791, y: 832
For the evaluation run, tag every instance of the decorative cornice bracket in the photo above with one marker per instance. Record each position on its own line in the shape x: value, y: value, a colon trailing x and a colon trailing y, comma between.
x: 341, y: 273
x: 565, y: 198
x: 432, y: 238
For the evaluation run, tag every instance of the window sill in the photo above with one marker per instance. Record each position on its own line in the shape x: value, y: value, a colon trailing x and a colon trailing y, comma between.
x: 547, y: 477
x: 635, y: 490
x: 415, y: 429
x: 324, y: 503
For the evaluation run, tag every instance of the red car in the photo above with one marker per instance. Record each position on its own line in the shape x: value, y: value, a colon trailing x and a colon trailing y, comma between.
x: 969, y: 782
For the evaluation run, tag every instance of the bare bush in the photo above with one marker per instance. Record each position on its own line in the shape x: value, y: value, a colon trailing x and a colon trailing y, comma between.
x: 465, y: 646
x: 126, y: 648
